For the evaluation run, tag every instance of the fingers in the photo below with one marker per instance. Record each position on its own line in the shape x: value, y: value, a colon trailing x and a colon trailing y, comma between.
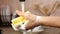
x: 19, y: 12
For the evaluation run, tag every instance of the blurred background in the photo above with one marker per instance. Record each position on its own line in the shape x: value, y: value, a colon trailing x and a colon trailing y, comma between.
x: 37, y: 7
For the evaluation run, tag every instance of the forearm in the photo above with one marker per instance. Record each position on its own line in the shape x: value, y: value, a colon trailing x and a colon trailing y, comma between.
x: 53, y: 21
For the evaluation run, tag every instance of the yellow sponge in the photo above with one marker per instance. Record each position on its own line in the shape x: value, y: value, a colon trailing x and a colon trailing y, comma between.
x: 19, y: 20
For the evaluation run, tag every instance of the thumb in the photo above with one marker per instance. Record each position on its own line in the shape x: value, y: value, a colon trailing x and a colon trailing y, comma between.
x: 19, y: 12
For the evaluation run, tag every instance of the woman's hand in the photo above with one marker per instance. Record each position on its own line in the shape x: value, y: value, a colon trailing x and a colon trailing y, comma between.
x: 30, y: 17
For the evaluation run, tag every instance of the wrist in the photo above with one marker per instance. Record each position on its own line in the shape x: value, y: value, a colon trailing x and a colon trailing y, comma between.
x: 39, y: 20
